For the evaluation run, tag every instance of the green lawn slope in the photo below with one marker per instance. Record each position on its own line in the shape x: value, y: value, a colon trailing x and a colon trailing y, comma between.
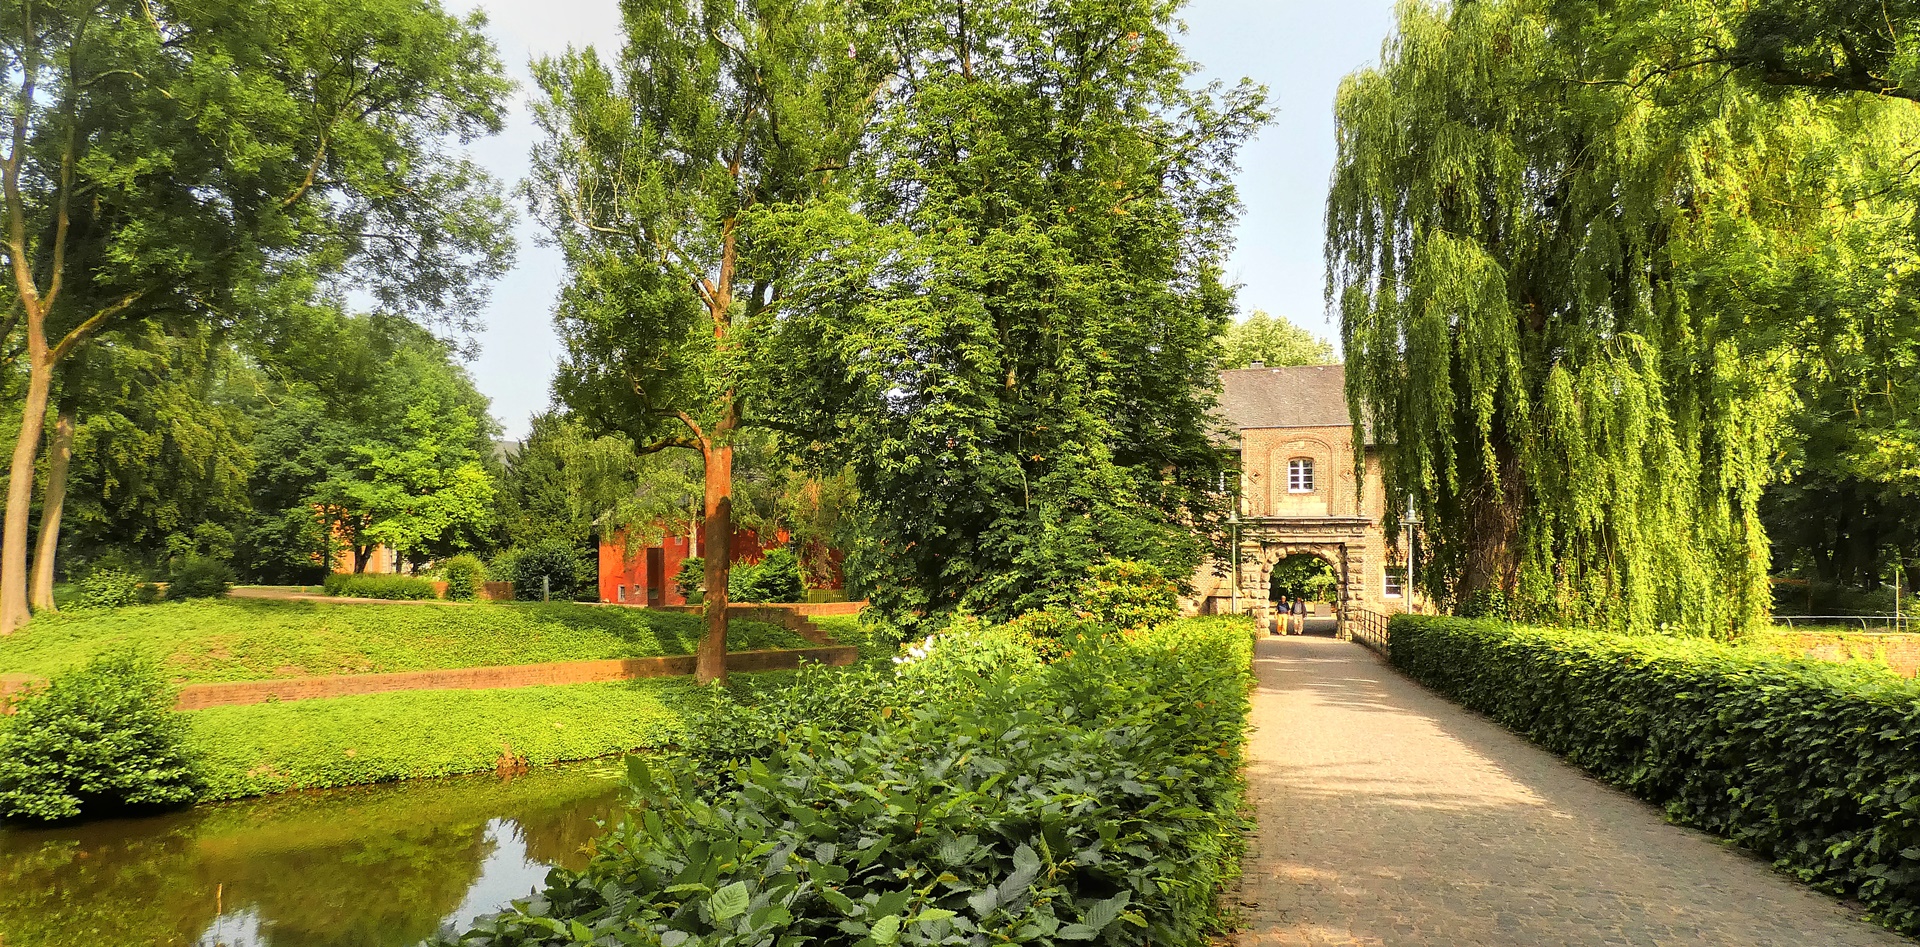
x: 246, y: 640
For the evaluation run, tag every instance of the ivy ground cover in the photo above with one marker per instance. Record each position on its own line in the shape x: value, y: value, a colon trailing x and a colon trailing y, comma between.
x: 248, y: 640
x: 1814, y: 765
x: 981, y: 794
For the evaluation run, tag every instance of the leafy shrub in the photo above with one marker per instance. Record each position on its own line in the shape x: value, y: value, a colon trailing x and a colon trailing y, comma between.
x: 775, y: 578
x: 691, y: 580
x: 1811, y: 764
x: 568, y: 572
x: 1126, y: 593
x: 109, y: 588
x: 100, y: 738
x: 199, y: 577
x: 373, y: 585
x: 939, y: 820
x: 465, y: 573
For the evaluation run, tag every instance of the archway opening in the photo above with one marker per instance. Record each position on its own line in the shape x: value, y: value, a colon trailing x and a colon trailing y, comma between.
x: 1307, y: 587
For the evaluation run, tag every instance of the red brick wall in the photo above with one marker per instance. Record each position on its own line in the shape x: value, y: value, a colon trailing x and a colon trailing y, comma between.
x: 620, y: 566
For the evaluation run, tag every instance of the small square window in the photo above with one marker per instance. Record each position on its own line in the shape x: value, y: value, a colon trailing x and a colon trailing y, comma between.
x: 1300, y: 475
x: 1395, y: 583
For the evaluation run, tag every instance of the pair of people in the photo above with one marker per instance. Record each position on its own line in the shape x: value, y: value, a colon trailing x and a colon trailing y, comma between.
x: 1293, y: 616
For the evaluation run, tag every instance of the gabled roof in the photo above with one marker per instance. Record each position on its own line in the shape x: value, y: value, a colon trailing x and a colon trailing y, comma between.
x: 1290, y: 396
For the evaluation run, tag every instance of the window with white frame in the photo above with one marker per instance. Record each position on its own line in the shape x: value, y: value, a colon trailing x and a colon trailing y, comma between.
x: 1395, y: 582
x: 1300, y: 475
x: 623, y: 593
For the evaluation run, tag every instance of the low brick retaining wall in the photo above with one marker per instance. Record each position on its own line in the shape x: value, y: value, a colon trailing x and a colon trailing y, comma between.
x: 223, y: 694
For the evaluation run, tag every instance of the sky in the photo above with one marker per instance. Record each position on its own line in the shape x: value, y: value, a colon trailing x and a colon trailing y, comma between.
x: 1299, y: 49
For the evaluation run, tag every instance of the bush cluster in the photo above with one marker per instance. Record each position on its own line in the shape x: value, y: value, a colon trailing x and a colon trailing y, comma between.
x: 1126, y: 593
x: 465, y: 573
x: 199, y: 577
x: 775, y: 578
x: 1814, y: 765
x: 109, y: 588
x: 986, y: 797
x: 369, y: 585
x: 96, y: 740
x: 691, y: 580
x: 568, y: 572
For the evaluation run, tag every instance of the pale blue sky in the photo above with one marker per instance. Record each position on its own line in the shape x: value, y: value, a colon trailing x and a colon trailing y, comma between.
x: 1299, y: 48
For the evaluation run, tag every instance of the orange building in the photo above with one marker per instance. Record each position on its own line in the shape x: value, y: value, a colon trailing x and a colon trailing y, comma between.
x: 645, y: 576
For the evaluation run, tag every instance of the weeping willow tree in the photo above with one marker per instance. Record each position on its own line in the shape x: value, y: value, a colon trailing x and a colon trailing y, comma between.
x: 1540, y: 222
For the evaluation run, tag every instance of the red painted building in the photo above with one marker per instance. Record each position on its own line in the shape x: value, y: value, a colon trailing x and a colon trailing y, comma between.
x: 644, y: 576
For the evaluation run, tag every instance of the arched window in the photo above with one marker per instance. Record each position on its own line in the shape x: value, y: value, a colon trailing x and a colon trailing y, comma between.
x: 1300, y: 475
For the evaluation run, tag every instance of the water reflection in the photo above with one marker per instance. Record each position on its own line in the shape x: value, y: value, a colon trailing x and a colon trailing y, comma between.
x: 377, y: 867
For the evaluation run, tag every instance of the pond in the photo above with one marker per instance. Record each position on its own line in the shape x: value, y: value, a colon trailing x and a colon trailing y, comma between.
x: 379, y: 866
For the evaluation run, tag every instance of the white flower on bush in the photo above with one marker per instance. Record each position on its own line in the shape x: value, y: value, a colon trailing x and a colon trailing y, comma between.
x: 917, y: 652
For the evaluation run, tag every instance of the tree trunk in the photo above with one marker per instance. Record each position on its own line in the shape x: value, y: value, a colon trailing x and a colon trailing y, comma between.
x: 26, y: 448
x: 53, y: 502
x: 361, y: 554
x: 710, y: 662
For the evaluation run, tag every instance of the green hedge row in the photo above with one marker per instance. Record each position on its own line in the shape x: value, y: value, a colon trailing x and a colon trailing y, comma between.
x: 989, y: 797
x: 1814, y: 765
x: 397, y: 587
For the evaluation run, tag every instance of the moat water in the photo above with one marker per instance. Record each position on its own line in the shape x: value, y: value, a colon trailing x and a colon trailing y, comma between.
x: 380, y: 866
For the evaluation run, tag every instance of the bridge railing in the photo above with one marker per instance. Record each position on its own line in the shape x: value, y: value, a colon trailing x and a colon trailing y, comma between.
x: 1367, y: 627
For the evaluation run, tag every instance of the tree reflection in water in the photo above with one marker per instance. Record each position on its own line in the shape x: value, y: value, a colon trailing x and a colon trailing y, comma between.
x: 383, y: 866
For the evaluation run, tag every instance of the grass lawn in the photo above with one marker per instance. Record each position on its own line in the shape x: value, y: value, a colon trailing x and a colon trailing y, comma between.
x: 244, y: 640
x: 343, y: 741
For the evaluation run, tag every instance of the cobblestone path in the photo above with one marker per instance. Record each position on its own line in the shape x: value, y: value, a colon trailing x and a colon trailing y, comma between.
x: 1389, y: 816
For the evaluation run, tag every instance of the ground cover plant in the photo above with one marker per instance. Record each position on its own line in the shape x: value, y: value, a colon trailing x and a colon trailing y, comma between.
x: 1815, y: 765
x: 395, y: 587
x: 979, y: 795
x: 241, y: 640
x: 98, y: 739
x: 257, y: 749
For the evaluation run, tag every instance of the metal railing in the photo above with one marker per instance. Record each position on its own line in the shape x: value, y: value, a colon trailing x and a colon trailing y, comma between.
x: 1368, y: 628
x: 1883, y: 624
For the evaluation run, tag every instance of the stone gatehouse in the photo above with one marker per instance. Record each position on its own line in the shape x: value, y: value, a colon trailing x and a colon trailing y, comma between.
x: 1300, y: 495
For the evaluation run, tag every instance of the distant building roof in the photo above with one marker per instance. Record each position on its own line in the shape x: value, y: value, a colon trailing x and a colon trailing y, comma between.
x: 1290, y: 396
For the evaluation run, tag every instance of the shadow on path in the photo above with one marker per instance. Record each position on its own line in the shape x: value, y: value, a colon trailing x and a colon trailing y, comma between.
x: 1389, y: 816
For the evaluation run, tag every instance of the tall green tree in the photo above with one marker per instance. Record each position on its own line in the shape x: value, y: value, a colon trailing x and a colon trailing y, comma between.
x: 1543, y: 227
x: 648, y: 172
x: 162, y: 158
x: 1009, y: 337
x: 1271, y: 340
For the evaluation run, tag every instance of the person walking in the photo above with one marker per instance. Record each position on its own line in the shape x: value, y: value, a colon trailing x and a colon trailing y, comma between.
x: 1300, y: 609
x: 1277, y: 626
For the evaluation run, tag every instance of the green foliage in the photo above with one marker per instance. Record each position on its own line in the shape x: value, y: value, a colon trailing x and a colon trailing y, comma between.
x: 1553, y: 236
x: 194, y: 576
x: 1271, y: 341
x: 1127, y: 594
x: 1304, y: 576
x: 375, y: 585
x: 939, y: 820
x: 109, y: 588
x: 564, y: 570
x: 95, y: 740
x: 775, y: 578
x: 1008, y: 332
x: 465, y: 574
x: 691, y: 580
x: 1808, y: 763
x: 563, y: 481
x: 250, y: 640
x: 423, y: 491
x: 373, y: 738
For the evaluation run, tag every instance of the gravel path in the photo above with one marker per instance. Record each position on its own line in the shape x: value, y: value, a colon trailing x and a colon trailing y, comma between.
x: 1389, y: 816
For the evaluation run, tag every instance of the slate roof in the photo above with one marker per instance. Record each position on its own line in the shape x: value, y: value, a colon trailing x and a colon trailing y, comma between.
x: 1289, y: 396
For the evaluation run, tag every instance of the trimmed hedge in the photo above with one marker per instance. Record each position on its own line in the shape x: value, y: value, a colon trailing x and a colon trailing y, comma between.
x: 1814, y: 765
x: 369, y: 585
x: 983, y: 797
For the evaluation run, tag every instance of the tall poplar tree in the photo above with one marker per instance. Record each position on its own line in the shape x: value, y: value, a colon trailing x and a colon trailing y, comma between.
x: 1010, y: 337
x: 1543, y: 225
x: 162, y: 158
x: 650, y: 170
